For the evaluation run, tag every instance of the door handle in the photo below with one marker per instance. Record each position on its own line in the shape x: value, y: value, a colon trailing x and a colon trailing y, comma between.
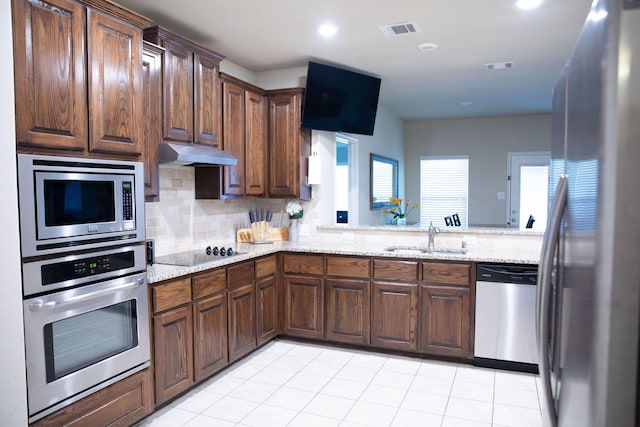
x: 543, y: 296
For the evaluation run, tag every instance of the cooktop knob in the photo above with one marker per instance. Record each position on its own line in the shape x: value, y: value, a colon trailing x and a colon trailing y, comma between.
x: 215, y: 250
x: 229, y: 251
x: 208, y: 250
x: 223, y: 251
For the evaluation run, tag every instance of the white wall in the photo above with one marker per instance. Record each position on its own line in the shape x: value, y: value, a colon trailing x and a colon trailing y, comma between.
x: 486, y: 141
x: 13, y: 389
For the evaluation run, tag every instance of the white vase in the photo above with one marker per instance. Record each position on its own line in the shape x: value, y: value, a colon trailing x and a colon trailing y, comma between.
x: 293, y: 230
x: 402, y: 221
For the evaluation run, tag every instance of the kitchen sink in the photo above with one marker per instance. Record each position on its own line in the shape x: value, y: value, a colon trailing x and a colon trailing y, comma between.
x: 416, y: 250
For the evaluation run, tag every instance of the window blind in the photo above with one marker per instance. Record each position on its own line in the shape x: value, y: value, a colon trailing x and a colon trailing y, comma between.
x: 444, y: 189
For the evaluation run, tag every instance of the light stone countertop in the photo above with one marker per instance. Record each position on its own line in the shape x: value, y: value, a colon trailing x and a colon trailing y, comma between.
x: 507, y: 254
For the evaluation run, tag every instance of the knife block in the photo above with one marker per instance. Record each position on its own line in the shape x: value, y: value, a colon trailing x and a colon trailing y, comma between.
x: 245, y: 235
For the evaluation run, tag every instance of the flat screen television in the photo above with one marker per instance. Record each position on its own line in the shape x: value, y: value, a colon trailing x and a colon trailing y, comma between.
x: 340, y: 100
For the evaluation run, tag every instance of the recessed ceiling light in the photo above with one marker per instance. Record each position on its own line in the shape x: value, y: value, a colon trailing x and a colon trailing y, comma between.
x: 466, y: 103
x: 528, y: 4
x: 426, y: 47
x: 327, y: 30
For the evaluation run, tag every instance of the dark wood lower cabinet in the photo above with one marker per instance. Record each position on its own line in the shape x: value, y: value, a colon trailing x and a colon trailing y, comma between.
x: 242, y: 321
x: 347, y: 308
x: 120, y: 404
x: 173, y: 350
x: 445, y: 316
x: 210, y: 335
x: 394, y: 315
x: 266, y: 308
x: 303, y: 307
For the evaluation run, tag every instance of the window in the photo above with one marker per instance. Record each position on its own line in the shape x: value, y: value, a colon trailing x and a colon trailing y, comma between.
x: 444, y: 189
x: 384, y: 181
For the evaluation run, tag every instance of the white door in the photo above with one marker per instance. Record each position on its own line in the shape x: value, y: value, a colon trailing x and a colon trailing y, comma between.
x: 528, y: 190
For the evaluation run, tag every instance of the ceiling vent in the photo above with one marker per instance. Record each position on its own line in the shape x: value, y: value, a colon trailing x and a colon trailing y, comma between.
x: 400, y: 29
x: 499, y: 65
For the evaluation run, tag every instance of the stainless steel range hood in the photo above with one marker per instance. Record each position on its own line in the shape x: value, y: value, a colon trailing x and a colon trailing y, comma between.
x: 194, y: 154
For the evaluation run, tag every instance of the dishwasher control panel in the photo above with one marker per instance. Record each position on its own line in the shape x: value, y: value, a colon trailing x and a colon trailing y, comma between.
x: 507, y: 273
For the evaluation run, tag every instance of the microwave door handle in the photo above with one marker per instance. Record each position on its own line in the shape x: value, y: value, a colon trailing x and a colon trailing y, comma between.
x: 543, y: 296
x: 42, y: 305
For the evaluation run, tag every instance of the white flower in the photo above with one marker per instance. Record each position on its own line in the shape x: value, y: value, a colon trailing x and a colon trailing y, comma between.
x: 293, y: 207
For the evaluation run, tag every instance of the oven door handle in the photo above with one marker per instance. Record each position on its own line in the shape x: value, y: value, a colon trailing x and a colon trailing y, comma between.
x: 39, y: 304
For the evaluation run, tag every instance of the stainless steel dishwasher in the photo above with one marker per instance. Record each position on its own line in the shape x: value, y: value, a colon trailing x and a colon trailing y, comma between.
x: 505, y: 316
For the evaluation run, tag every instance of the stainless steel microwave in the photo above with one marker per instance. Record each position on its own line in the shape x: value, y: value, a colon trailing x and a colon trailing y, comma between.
x: 75, y: 204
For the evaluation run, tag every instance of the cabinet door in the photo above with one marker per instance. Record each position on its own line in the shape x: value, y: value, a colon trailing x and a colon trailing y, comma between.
x: 303, y: 307
x: 445, y: 319
x: 173, y: 352
x: 242, y: 321
x: 255, y: 143
x: 178, y: 92
x: 50, y: 74
x: 347, y: 310
x: 288, y: 146
x: 394, y: 315
x: 267, y: 308
x: 206, y: 102
x: 115, y: 86
x: 151, y: 126
x: 234, y: 142
x: 210, y: 333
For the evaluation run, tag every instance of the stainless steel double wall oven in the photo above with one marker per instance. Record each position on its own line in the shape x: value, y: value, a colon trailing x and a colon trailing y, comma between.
x: 84, y: 282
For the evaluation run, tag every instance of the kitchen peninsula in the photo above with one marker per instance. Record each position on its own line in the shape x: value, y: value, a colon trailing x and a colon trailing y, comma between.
x: 339, y: 286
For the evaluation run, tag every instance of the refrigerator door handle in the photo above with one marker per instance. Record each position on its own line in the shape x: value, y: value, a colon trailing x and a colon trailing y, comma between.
x: 543, y: 297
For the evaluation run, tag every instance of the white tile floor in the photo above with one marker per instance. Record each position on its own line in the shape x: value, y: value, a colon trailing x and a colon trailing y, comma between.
x: 292, y: 384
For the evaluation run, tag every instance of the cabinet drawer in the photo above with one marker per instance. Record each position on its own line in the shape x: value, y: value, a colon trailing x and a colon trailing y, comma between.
x: 171, y: 294
x: 209, y: 283
x: 400, y: 271
x: 446, y: 273
x: 240, y: 275
x: 348, y: 267
x: 303, y: 264
x: 266, y: 267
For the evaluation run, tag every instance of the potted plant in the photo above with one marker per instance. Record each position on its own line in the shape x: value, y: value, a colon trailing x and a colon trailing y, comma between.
x: 399, y: 211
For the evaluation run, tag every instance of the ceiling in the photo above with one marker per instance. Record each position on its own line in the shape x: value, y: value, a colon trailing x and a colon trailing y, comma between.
x: 450, y: 81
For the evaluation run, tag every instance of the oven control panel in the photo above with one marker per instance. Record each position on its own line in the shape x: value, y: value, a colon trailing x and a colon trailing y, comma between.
x: 86, y: 267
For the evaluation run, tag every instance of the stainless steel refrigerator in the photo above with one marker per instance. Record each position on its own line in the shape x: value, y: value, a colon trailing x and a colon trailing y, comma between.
x: 588, y: 298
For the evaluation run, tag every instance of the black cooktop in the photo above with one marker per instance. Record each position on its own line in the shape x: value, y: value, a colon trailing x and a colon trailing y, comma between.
x: 197, y: 257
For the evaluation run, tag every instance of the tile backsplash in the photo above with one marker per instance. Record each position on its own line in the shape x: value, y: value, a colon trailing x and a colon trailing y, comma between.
x: 179, y: 222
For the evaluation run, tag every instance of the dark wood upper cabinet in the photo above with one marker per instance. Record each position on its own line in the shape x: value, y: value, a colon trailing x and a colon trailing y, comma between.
x: 115, y: 86
x: 178, y: 92
x: 206, y: 98
x: 151, y: 126
x: 233, y: 125
x: 289, y: 145
x: 245, y: 136
x: 50, y: 83
x: 191, y: 89
x: 78, y: 77
x: 256, y: 126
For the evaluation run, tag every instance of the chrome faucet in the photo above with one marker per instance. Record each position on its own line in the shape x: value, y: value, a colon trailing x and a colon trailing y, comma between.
x: 432, y: 235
